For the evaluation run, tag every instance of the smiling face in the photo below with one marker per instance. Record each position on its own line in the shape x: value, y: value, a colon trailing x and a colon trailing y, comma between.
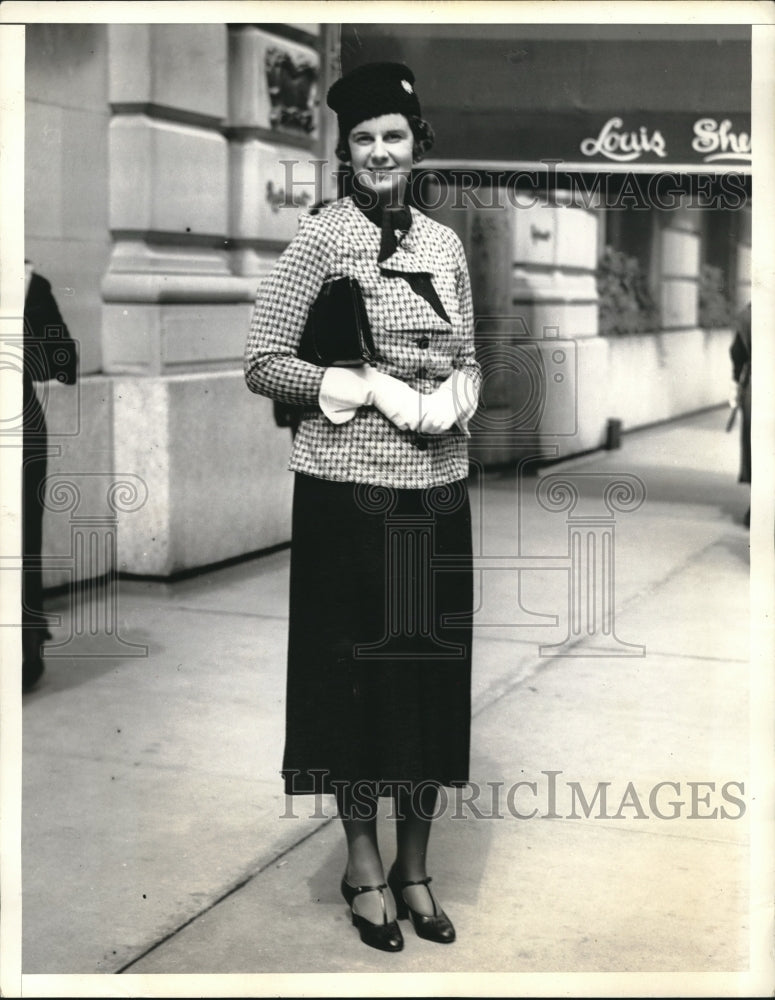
x: 381, y: 153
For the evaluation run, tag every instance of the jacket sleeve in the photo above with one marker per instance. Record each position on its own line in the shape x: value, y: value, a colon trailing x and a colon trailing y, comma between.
x: 282, y: 304
x: 466, y: 356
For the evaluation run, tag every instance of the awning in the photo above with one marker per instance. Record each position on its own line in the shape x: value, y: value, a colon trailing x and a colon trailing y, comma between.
x: 593, y: 97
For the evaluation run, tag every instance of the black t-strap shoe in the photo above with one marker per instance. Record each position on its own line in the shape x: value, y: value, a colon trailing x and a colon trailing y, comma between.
x: 433, y: 928
x: 385, y: 936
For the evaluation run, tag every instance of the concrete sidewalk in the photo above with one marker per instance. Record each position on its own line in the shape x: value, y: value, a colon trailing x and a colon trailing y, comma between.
x: 156, y: 838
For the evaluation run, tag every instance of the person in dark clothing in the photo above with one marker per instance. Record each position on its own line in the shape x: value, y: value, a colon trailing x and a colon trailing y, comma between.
x: 740, y: 352
x: 49, y: 353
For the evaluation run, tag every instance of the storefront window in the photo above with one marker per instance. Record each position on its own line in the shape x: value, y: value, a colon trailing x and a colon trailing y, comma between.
x: 626, y: 276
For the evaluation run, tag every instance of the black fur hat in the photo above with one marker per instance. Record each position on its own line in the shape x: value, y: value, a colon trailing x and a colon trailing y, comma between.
x: 374, y: 89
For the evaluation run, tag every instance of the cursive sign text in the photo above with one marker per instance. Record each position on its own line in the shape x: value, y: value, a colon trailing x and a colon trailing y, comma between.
x: 623, y: 146
x: 719, y: 142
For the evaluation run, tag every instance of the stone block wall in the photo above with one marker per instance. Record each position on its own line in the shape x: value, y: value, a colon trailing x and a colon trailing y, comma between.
x: 214, y: 466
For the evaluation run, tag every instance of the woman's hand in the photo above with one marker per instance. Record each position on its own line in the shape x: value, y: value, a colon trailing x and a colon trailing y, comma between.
x: 395, y: 399
x: 438, y: 411
x: 454, y: 402
x: 344, y: 390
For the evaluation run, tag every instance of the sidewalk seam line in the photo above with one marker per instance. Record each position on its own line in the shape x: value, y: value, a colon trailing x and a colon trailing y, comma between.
x: 225, y: 895
x: 235, y: 614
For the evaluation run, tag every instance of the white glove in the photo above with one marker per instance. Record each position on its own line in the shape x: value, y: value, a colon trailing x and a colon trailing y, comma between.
x: 734, y: 394
x: 454, y: 402
x: 396, y: 400
x: 344, y: 390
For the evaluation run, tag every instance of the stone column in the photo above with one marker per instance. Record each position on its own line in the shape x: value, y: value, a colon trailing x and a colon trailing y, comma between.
x: 199, y: 209
x: 679, y: 252
x: 168, y: 201
x: 743, y: 276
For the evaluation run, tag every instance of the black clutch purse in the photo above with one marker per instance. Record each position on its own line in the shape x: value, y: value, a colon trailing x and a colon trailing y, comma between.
x: 337, y: 331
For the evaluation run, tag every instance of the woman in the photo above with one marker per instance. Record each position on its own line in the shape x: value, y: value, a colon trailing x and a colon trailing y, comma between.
x: 379, y: 652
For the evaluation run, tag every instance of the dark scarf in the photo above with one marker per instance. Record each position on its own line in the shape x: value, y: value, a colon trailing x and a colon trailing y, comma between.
x: 390, y: 221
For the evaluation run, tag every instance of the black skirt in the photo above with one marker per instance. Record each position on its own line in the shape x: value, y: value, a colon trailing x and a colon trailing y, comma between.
x: 379, y: 646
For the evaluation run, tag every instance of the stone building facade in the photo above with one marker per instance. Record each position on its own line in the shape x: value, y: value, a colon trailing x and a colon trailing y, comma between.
x: 166, y: 168
x: 160, y: 161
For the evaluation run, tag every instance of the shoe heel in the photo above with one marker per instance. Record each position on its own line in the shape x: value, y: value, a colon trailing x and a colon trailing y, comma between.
x: 436, y: 928
x: 385, y: 936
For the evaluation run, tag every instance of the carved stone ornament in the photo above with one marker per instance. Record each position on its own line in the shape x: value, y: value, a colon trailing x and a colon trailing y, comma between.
x: 292, y: 84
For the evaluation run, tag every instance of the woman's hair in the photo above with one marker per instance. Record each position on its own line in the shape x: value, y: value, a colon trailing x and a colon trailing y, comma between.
x: 423, y: 140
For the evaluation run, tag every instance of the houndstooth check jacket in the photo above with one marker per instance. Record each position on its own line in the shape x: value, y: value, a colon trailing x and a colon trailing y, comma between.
x: 414, y: 342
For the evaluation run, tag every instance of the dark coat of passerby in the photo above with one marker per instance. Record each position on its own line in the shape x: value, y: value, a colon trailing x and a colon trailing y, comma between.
x: 49, y: 353
x: 740, y: 352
